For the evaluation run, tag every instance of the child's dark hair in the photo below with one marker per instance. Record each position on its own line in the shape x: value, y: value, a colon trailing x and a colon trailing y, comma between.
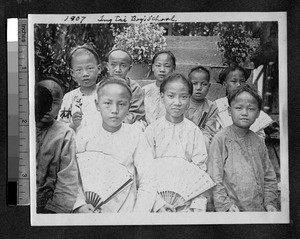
x: 164, y: 52
x: 245, y: 88
x: 176, y: 77
x: 200, y: 69
x: 87, y: 46
x: 232, y: 67
x: 120, y: 49
x: 114, y: 80
x: 43, y: 102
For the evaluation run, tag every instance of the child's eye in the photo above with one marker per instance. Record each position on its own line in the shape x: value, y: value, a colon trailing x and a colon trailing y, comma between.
x: 171, y: 96
x: 184, y: 97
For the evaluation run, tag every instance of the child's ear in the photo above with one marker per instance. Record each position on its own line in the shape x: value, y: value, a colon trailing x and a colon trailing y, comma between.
x: 99, y: 69
x: 162, y: 95
x: 229, y: 110
x: 72, y: 73
x: 258, y: 113
x: 97, y: 104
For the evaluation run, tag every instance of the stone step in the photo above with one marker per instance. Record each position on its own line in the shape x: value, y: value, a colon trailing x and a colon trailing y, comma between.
x: 197, y: 56
x: 199, y: 42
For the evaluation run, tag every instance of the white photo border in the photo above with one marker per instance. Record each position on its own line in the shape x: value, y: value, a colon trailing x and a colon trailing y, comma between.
x: 166, y: 218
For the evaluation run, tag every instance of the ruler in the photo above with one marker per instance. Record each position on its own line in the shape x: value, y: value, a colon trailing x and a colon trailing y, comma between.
x: 23, y: 179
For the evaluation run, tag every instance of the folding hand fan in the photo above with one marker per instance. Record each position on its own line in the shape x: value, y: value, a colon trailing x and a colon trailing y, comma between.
x: 102, y: 177
x: 180, y: 181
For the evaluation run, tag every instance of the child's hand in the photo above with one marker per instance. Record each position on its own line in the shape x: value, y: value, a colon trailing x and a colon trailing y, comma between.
x: 271, y: 208
x: 87, y: 208
x: 234, y: 208
x: 76, y: 118
x: 167, y: 208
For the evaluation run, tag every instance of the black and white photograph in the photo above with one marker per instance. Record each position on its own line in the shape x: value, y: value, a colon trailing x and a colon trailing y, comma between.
x: 158, y: 118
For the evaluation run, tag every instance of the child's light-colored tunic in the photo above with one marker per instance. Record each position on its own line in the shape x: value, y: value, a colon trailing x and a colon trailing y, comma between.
x: 242, y: 170
x: 75, y: 101
x: 183, y: 140
x: 196, y: 111
x: 154, y: 106
x: 129, y: 147
x: 56, y: 168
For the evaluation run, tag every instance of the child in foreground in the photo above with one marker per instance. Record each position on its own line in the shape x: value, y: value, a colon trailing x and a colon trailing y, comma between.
x: 78, y: 109
x: 119, y: 64
x: 238, y: 159
x: 174, y: 136
x: 56, y: 167
x: 163, y: 64
x: 202, y: 111
x: 124, y: 143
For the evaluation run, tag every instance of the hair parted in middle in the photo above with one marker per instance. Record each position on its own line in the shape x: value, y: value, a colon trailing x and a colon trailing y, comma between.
x: 114, y: 80
x: 176, y: 77
x: 89, y: 46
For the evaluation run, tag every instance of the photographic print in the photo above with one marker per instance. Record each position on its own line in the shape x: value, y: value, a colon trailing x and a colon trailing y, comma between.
x: 158, y: 118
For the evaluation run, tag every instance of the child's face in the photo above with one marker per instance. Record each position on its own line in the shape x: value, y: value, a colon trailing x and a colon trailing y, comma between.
x: 234, y: 79
x: 162, y: 66
x: 119, y: 64
x: 201, y: 85
x: 176, y: 99
x: 244, y: 110
x: 113, y: 104
x: 85, y: 70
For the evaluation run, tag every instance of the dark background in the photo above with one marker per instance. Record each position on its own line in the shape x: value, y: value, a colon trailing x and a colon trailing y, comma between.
x: 15, y: 221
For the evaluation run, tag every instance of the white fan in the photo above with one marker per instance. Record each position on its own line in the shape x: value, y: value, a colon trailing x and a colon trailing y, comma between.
x: 102, y: 177
x: 180, y: 181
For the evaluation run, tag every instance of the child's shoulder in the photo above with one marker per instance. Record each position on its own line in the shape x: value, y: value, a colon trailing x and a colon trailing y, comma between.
x: 158, y: 124
x: 72, y: 93
x: 211, y: 103
x: 131, y: 130
x: 133, y: 84
x: 60, y: 128
x: 223, y: 133
x: 149, y: 86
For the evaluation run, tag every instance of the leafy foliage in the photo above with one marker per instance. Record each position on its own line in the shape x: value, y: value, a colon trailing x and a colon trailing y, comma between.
x: 193, y: 28
x: 142, y: 41
x: 235, y: 38
x: 53, y: 42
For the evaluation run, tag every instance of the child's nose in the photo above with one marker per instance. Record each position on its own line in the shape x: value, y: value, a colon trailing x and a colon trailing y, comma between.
x: 114, y: 109
x: 118, y: 68
x: 162, y: 68
x: 177, y: 101
x: 245, y: 112
x: 85, y: 72
x: 198, y: 87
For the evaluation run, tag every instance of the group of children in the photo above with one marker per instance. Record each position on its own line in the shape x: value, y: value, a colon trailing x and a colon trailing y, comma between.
x: 137, y: 126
